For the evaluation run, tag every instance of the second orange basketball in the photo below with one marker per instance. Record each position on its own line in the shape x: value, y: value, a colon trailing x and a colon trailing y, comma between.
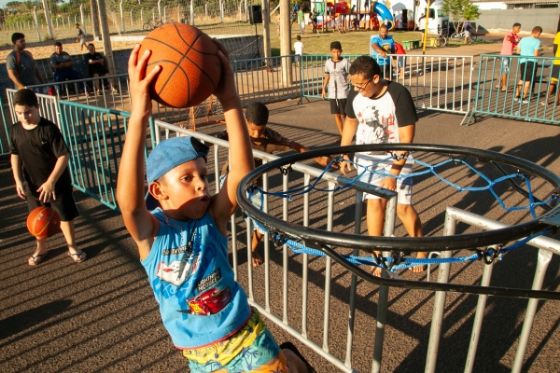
x: 191, y: 69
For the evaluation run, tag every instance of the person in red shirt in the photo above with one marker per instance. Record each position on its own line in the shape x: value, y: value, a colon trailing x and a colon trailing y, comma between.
x: 401, y: 59
x: 509, y: 46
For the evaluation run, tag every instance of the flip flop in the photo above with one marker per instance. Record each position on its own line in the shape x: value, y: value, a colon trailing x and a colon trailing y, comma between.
x: 35, y: 259
x: 78, y: 257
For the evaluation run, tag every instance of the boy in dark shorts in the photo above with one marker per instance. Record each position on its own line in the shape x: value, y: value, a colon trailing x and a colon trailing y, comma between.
x: 335, y: 82
x: 39, y: 159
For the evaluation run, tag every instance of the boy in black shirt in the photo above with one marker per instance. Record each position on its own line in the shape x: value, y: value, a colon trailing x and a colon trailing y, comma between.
x: 39, y: 159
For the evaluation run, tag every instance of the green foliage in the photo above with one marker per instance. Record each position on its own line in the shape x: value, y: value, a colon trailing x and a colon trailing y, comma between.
x: 460, y: 11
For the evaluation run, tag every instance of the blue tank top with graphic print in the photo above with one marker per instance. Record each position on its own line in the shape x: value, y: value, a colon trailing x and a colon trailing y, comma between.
x: 188, y: 268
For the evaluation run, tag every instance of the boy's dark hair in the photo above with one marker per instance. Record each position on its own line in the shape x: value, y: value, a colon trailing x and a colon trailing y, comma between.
x: 537, y: 29
x: 16, y: 36
x: 365, y: 65
x: 298, y: 37
x: 26, y: 97
x: 57, y: 44
x: 257, y: 113
x: 336, y: 45
x: 516, y: 24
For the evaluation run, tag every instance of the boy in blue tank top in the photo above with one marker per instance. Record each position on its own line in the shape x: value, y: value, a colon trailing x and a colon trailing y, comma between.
x: 183, y: 244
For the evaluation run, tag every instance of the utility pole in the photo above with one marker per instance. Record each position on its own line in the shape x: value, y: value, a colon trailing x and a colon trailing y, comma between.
x: 106, y: 36
x: 266, y: 28
x: 121, y: 18
x: 36, y: 21
x: 94, y: 19
x: 285, y: 42
x: 48, y: 19
x: 83, y: 19
x: 427, y: 19
x: 191, y: 13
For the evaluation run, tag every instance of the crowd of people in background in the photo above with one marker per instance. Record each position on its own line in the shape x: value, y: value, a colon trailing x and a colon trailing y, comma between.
x: 23, y: 71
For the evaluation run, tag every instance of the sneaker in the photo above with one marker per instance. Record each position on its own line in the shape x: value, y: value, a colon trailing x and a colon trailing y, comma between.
x: 517, y: 99
x: 525, y: 101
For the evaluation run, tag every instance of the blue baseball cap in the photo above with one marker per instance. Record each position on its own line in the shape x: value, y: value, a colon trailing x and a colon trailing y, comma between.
x: 169, y: 154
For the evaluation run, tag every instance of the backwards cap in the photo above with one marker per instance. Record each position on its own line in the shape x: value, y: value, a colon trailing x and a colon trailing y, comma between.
x: 170, y: 153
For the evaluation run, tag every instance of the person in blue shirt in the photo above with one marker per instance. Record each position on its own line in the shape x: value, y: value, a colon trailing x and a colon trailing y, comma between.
x: 529, y: 46
x: 182, y: 242
x: 380, y: 47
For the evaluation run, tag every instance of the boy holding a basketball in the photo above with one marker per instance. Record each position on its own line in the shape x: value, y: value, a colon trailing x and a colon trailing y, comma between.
x: 39, y: 159
x: 182, y: 243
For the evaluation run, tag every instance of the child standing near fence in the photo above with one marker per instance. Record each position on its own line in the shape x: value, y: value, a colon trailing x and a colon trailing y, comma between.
x: 39, y: 162
x: 265, y: 140
x: 183, y: 244
x: 335, y: 83
x: 401, y: 59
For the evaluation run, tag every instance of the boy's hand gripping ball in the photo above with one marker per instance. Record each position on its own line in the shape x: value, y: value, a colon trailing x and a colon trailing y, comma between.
x: 43, y: 222
x: 190, y: 67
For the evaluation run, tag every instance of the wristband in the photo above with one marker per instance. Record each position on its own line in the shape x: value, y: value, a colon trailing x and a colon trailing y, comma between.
x: 399, y: 157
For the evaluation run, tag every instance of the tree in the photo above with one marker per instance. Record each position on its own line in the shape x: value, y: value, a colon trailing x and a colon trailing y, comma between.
x: 460, y: 11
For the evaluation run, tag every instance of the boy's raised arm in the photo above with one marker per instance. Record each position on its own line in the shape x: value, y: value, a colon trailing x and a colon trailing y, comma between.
x: 130, y: 182
x: 240, y: 153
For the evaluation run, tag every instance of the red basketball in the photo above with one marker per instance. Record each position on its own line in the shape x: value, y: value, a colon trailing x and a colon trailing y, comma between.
x: 190, y: 68
x: 43, y: 222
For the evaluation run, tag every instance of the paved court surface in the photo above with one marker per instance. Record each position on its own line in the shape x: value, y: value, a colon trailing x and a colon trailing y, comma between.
x: 100, y: 315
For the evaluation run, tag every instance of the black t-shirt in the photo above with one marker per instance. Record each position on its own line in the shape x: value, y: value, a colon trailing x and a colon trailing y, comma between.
x: 95, y: 68
x: 38, y: 150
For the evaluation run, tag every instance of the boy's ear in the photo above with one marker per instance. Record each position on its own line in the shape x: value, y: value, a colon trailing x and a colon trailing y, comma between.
x: 157, y: 191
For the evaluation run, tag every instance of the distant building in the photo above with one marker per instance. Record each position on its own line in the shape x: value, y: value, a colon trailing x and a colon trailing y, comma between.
x: 515, y: 4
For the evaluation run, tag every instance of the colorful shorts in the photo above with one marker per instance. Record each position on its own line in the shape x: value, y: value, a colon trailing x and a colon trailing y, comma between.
x: 252, y: 349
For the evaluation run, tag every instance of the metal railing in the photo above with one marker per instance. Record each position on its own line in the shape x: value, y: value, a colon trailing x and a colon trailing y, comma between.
x: 438, y: 83
x: 539, y: 103
x: 4, y: 135
x: 547, y: 248
x: 95, y: 137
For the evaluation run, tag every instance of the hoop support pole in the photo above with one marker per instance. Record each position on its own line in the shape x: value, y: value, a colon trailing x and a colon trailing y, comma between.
x: 358, y: 207
x: 478, y: 318
x: 439, y: 303
x: 543, y: 260
x: 388, y: 230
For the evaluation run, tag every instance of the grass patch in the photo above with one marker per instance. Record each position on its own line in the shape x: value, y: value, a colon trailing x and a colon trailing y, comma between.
x: 355, y: 42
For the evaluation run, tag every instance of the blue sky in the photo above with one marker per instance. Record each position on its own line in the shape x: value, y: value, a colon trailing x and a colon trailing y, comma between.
x: 3, y: 3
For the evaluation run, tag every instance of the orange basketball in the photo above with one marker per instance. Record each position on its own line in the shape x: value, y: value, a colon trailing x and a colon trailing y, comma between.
x: 43, y: 222
x: 190, y: 68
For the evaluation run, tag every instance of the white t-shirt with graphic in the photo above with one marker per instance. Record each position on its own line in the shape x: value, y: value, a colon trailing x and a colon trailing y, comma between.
x: 379, y: 118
